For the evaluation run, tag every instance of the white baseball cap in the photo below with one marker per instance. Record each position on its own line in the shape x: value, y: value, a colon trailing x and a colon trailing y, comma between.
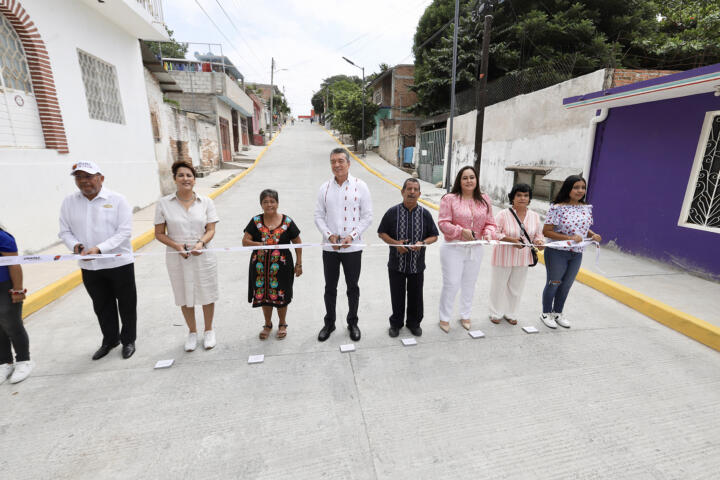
x: 88, y: 167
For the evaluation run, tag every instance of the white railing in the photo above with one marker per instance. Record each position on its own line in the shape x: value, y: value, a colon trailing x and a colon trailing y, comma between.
x: 154, y: 8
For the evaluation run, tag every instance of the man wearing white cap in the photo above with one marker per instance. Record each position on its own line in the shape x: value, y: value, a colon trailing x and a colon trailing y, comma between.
x: 97, y: 220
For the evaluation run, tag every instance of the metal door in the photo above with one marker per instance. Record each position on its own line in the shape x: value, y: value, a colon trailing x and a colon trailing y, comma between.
x: 431, y: 155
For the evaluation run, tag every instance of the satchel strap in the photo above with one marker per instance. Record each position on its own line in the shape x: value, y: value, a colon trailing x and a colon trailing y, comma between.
x: 522, y: 227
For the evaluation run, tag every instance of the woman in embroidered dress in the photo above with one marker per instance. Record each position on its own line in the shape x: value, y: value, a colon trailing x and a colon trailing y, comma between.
x: 569, y: 218
x: 271, y: 276
x: 510, y: 263
x: 465, y: 215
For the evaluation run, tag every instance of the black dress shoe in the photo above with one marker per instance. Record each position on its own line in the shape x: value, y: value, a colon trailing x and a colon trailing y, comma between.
x: 417, y: 331
x: 128, y: 350
x: 325, y: 333
x: 354, y: 332
x: 393, y: 332
x: 104, y: 350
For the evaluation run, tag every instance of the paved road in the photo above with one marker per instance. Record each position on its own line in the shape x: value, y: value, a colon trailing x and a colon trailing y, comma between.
x: 617, y: 396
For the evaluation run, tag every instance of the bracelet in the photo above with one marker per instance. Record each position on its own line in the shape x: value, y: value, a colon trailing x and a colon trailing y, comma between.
x: 17, y: 292
x: 298, y: 265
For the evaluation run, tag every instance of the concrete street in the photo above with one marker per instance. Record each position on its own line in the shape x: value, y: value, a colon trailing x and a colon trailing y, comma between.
x: 616, y: 396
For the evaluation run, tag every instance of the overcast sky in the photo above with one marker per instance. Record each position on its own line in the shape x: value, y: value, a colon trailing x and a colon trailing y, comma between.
x: 307, y: 37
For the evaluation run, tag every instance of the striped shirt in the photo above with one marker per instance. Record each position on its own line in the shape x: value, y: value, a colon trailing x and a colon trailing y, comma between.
x: 506, y: 255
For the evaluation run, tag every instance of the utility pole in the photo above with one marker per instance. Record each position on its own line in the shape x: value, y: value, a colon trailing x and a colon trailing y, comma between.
x: 363, y: 101
x: 272, y: 93
x: 481, y: 91
x: 448, y: 161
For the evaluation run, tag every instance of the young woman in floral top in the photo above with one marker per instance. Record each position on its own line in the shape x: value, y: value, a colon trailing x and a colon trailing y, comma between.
x: 569, y: 218
x: 465, y: 215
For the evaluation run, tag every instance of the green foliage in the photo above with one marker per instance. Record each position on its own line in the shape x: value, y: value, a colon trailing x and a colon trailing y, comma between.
x: 172, y: 102
x: 327, y: 89
x: 688, y: 35
x: 382, y: 68
x: 280, y: 104
x: 347, y: 111
x: 171, y: 49
x: 573, y: 36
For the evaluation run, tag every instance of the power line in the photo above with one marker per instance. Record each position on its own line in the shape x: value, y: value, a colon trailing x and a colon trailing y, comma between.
x: 239, y: 33
x: 225, y: 36
x: 434, y: 35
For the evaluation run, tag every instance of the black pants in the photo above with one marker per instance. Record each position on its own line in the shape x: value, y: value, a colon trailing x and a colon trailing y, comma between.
x: 351, y: 268
x: 400, y: 285
x: 113, y: 290
x: 12, y: 330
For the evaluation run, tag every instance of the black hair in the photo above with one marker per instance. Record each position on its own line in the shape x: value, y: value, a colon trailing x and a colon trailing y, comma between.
x: 563, y: 196
x: 269, y: 192
x: 520, y: 187
x: 410, y: 180
x: 457, y: 187
x: 182, y: 164
x: 337, y: 150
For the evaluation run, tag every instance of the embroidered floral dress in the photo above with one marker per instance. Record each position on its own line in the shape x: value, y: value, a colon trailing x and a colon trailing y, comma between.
x: 272, y: 271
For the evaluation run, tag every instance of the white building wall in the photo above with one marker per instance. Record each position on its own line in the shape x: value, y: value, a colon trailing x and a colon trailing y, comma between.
x: 532, y: 129
x: 37, y: 180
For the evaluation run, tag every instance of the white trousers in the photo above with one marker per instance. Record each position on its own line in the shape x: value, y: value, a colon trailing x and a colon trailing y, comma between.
x: 460, y: 269
x: 506, y: 287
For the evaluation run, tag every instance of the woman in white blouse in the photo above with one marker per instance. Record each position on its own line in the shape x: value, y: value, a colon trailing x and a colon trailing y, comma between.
x: 185, y: 222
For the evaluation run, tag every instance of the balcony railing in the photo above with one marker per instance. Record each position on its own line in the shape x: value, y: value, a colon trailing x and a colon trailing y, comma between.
x: 154, y: 8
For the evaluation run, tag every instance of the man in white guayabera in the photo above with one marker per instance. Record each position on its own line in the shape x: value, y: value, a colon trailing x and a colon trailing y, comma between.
x: 96, y: 220
x: 342, y: 213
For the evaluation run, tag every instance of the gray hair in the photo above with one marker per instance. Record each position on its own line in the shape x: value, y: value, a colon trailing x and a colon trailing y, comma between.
x: 411, y: 180
x: 337, y: 150
x: 269, y: 192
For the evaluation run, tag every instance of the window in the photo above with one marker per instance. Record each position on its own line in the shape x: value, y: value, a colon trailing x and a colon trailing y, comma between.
x: 101, y: 89
x: 155, y: 126
x: 377, y: 96
x: 543, y: 189
x: 19, y: 117
x: 701, y: 208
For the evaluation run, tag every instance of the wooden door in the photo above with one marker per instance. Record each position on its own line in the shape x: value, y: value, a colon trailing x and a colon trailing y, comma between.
x: 225, y: 139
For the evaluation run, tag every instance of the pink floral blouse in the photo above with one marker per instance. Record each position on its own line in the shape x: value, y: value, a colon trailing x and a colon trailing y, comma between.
x: 570, y: 220
x: 457, y: 214
x: 509, y: 256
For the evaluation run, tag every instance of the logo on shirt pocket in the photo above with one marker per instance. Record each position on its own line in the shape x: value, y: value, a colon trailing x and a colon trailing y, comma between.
x: 107, y: 205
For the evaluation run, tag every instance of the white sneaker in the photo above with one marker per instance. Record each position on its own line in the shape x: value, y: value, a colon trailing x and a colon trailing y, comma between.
x: 209, y: 340
x: 6, y: 369
x: 191, y: 342
x: 561, y: 320
x: 22, y: 371
x: 548, y: 320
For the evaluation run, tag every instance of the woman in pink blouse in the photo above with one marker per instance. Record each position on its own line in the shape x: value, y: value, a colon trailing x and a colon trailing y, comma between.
x: 569, y: 218
x: 465, y: 215
x: 510, y: 263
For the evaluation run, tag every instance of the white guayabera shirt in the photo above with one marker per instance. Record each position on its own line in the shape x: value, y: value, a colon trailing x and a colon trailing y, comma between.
x: 343, y: 210
x: 105, y: 222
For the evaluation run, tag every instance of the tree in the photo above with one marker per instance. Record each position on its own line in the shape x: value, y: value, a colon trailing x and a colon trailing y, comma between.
x: 560, y: 39
x: 687, y: 36
x: 171, y: 49
x: 382, y: 68
x: 326, y: 86
x: 347, y: 112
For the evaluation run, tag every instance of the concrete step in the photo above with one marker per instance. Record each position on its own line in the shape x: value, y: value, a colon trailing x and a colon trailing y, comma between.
x: 235, y: 165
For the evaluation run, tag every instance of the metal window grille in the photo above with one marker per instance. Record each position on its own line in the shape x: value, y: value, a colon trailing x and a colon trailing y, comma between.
x: 13, y: 66
x: 101, y: 89
x: 705, y: 204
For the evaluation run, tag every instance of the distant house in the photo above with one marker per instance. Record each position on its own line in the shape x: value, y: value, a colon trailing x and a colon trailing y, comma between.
x: 654, y: 173
x: 264, y: 90
x: 212, y: 86
x: 394, y: 127
x: 178, y: 134
x: 261, y: 117
x: 71, y: 75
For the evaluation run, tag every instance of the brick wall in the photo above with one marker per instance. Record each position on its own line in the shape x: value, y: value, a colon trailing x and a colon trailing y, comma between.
x: 622, y: 76
x: 41, y: 75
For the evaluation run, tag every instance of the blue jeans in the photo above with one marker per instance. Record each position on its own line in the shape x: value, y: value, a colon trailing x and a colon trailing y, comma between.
x: 561, y: 267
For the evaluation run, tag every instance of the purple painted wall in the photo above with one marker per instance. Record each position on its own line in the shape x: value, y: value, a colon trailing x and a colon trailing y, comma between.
x: 641, y: 167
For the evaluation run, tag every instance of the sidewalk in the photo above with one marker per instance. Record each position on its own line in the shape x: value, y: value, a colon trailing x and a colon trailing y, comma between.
x: 672, y: 286
x: 38, y: 276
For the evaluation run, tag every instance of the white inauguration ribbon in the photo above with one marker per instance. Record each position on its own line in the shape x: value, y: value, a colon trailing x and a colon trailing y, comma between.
x: 32, y: 259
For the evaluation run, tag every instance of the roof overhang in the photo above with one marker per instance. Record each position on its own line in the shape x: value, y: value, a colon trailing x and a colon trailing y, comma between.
x: 236, y: 106
x: 151, y: 62
x: 683, y: 84
x: 134, y: 17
